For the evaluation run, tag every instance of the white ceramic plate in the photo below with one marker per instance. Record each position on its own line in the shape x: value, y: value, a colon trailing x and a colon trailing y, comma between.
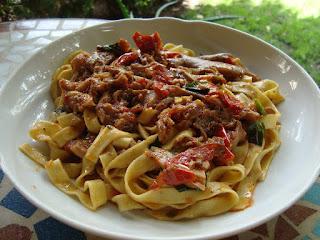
x: 25, y: 99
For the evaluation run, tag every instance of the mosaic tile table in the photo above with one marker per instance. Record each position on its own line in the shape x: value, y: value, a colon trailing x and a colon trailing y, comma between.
x: 20, y: 220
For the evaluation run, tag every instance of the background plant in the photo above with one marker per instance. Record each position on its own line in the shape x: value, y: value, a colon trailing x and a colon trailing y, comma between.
x: 269, y: 20
x: 275, y: 23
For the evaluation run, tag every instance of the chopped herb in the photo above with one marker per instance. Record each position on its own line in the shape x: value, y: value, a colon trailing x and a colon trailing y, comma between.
x: 193, y: 87
x: 206, y: 184
x: 59, y: 110
x: 114, y: 48
x: 259, y: 107
x: 156, y: 143
x: 171, y: 94
x: 202, y: 91
x: 191, y: 84
x: 256, y: 133
x: 182, y: 188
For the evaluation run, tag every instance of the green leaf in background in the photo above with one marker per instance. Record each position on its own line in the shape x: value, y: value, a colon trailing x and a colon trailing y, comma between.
x: 298, y: 36
x: 163, y: 7
x: 286, y: 28
x: 220, y: 18
x: 123, y: 8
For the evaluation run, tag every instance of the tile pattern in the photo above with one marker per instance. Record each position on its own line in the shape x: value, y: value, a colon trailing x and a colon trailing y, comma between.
x: 18, y: 204
x: 1, y: 175
x: 313, y: 195
x: 15, y: 232
x: 51, y: 229
x: 21, y: 39
x: 20, y: 220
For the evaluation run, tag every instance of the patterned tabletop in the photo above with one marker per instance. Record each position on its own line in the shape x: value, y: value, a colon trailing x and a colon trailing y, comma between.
x: 20, y: 220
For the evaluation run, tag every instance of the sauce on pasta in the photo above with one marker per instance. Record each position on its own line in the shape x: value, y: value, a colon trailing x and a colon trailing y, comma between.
x: 157, y: 128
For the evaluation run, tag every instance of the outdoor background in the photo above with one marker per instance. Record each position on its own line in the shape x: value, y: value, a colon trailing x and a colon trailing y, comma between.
x: 291, y: 25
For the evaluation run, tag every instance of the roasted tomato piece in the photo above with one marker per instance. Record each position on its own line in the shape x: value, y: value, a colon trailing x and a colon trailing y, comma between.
x: 142, y: 81
x: 225, y: 158
x: 173, y: 177
x: 162, y: 74
x: 228, y: 156
x: 127, y: 58
x: 172, y: 54
x: 231, y: 102
x: 124, y: 45
x: 158, y: 87
x: 178, y: 169
x: 205, y: 152
x: 221, y: 132
x: 147, y: 43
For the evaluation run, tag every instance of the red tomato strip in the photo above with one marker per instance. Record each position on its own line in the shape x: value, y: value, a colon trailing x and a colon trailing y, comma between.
x: 177, y: 169
x: 127, y: 58
x: 205, y: 152
x: 147, y: 43
x: 158, y: 87
x: 221, y: 132
x: 174, y: 177
x: 231, y: 102
x: 162, y: 74
x: 228, y: 155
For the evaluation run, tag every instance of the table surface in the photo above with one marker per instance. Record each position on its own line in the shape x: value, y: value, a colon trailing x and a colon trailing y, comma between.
x: 20, y: 220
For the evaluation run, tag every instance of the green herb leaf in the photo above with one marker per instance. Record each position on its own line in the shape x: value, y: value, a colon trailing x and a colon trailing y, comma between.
x: 59, y: 110
x: 203, y: 91
x: 182, y: 188
x: 259, y: 107
x: 156, y: 143
x: 114, y: 48
x: 256, y: 133
x: 191, y: 84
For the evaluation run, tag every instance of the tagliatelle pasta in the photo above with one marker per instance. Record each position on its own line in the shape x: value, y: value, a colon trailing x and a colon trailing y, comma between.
x: 159, y: 130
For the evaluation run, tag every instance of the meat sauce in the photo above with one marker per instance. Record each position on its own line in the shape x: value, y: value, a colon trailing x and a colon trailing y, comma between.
x: 118, y: 82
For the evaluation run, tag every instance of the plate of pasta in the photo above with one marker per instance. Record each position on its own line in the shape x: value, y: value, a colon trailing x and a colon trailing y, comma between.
x: 160, y: 128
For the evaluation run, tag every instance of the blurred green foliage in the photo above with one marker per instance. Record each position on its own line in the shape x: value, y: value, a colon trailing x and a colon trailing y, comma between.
x: 144, y: 8
x: 19, y: 9
x: 10, y: 9
x: 273, y: 22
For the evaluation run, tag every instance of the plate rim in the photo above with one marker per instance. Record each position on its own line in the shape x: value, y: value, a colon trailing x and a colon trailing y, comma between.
x: 100, y: 232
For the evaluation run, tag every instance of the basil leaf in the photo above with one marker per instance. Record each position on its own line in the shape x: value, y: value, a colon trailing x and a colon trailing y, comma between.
x: 182, y: 188
x: 202, y: 91
x: 113, y: 48
x: 260, y: 107
x: 256, y: 133
x: 191, y: 84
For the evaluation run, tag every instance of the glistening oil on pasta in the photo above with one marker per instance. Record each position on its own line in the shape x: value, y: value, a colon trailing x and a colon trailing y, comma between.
x: 158, y: 129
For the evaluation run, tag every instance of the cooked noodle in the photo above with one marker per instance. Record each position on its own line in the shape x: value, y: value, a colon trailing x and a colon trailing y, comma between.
x: 158, y: 129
